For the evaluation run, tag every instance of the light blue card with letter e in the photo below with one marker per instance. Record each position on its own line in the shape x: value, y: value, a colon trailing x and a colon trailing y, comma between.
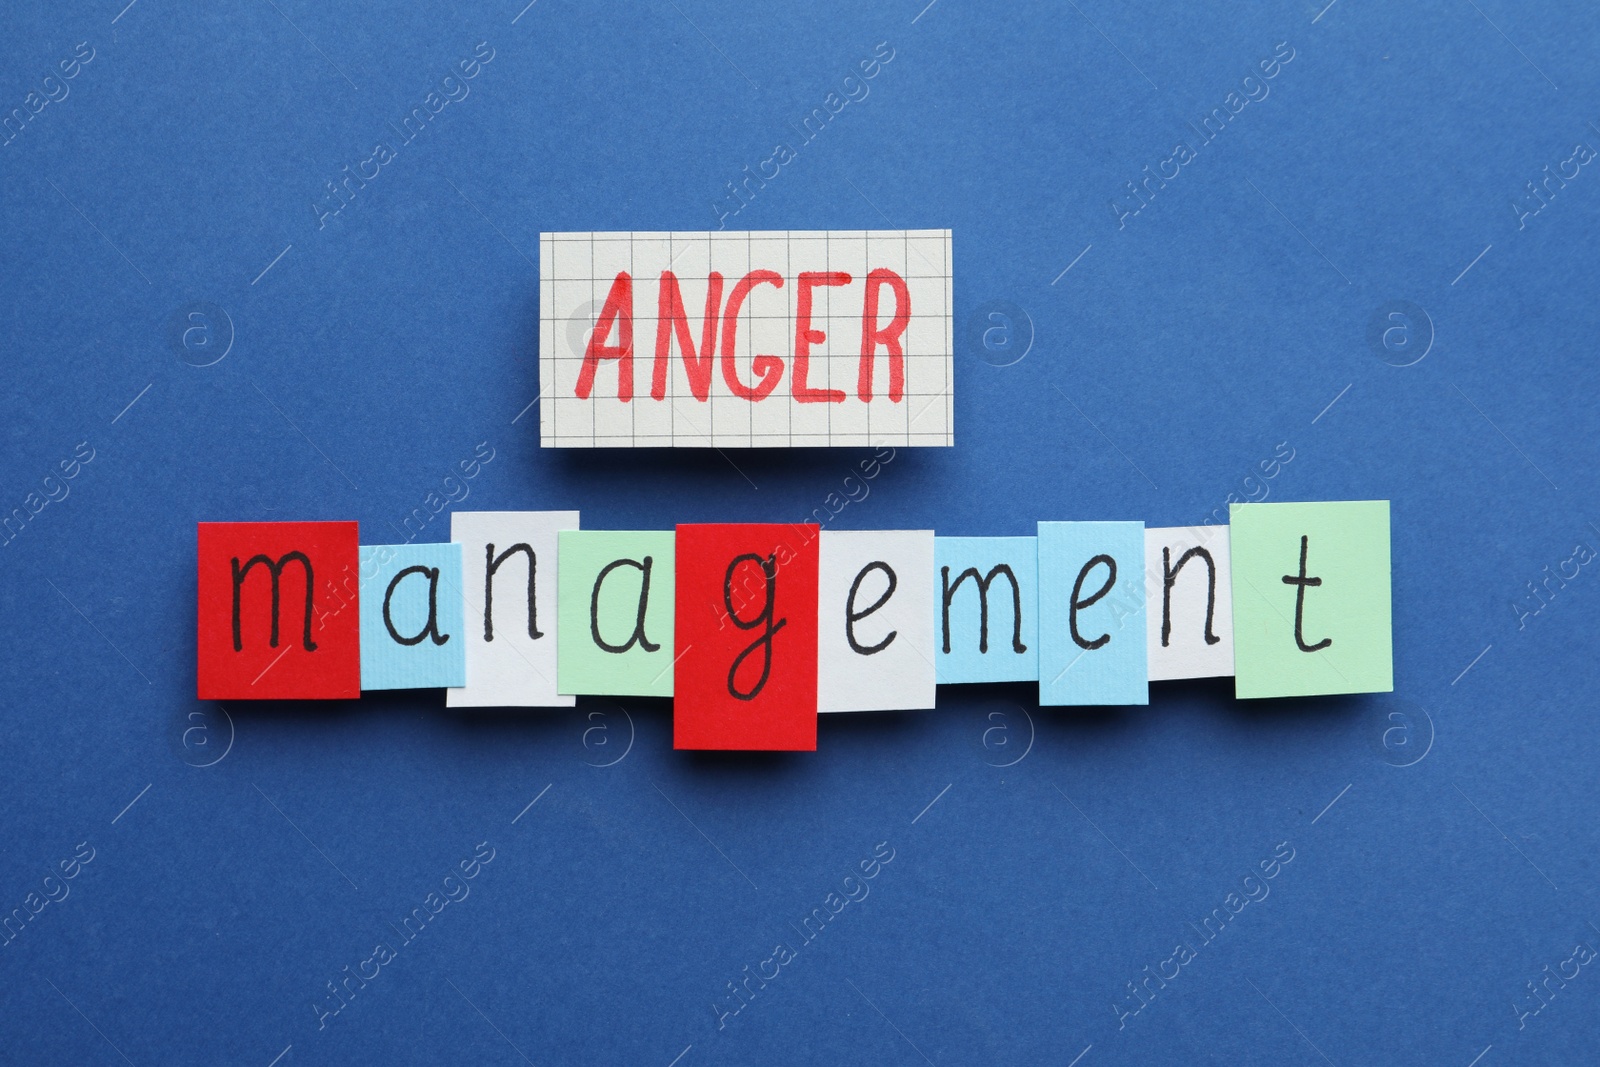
x: 1092, y: 606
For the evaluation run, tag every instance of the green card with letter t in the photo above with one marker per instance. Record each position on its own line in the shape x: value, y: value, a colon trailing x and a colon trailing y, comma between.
x: 1311, y: 611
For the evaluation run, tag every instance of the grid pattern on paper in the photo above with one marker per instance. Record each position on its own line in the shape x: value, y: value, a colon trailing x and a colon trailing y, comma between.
x: 576, y: 272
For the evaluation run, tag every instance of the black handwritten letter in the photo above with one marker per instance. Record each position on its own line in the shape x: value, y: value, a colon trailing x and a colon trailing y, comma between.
x: 1170, y: 574
x: 983, y: 604
x: 432, y: 629
x: 492, y: 564
x: 852, y: 616
x: 638, y: 636
x: 769, y: 572
x: 1300, y: 583
x: 275, y: 568
x: 1078, y: 605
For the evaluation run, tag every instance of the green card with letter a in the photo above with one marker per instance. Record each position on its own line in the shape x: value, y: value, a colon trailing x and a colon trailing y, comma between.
x: 1311, y: 611
x: 616, y: 612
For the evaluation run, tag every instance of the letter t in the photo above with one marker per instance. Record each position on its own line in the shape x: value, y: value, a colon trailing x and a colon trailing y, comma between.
x: 1301, y: 583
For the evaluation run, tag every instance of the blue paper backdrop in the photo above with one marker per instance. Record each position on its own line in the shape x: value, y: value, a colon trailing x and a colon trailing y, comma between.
x: 1348, y: 292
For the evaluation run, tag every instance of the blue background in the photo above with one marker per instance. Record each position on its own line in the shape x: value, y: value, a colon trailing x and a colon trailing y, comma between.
x: 267, y: 847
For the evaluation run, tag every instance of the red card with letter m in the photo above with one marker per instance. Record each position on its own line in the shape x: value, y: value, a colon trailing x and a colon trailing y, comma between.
x: 746, y: 632
x: 279, y: 611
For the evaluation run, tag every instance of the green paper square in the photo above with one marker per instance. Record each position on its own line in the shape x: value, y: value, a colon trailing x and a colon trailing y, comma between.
x: 583, y: 666
x: 1347, y: 547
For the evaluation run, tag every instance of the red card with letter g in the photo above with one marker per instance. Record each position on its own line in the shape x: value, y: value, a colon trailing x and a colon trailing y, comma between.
x: 746, y: 676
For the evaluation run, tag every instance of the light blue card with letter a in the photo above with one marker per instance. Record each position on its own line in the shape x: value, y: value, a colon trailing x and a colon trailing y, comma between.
x: 1091, y: 613
x: 412, y: 617
x: 985, y: 603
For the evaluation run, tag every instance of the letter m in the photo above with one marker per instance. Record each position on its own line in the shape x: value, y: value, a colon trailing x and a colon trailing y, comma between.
x: 983, y: 582
x: 275, y: 568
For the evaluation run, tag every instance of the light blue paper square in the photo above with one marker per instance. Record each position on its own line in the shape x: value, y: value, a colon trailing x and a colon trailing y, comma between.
x: 969, y: 571
x: 1096, y: 655
x: 436, y: 655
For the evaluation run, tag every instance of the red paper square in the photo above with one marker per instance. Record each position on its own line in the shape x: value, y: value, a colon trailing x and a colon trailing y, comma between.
x: 725, y: 573
x: 323, y: 555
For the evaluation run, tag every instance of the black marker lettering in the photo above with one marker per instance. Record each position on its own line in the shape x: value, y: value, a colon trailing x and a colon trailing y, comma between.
x: 769, y: 572
x: 275, y: 568
x: 1170, y: 574
x: 432, y: 629
x: 1077, y: 605
x: 983, y: 604
x: 638, y: 637
x: 852, y: 616
x: 492, y: 564
x: 1300, y: 602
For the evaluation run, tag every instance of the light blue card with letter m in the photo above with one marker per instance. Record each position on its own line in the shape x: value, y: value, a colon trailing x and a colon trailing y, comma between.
x: 985, y: 603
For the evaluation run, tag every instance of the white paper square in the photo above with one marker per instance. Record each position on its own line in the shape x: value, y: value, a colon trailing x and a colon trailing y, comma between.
x: 899, y: 675
x: 512, y: 670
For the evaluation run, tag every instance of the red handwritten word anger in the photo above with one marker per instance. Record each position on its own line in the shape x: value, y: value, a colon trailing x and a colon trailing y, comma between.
x: 612, y: 339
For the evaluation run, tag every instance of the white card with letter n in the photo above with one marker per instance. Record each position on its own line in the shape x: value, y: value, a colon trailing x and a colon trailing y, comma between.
x: 760, y: 339
x: 508, y: 589
x: 1188, y: 602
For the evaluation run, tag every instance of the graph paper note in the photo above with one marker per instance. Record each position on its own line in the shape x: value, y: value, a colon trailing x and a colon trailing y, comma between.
x: 746, y: 339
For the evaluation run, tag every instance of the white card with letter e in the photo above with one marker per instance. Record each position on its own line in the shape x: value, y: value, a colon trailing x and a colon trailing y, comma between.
x: 875, y: 621
x: 727, y: 339
x: 509, y: 588
x: 1188, y: 602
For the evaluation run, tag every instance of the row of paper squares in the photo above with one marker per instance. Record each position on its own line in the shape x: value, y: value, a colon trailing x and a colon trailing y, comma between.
x: 522, y: 609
